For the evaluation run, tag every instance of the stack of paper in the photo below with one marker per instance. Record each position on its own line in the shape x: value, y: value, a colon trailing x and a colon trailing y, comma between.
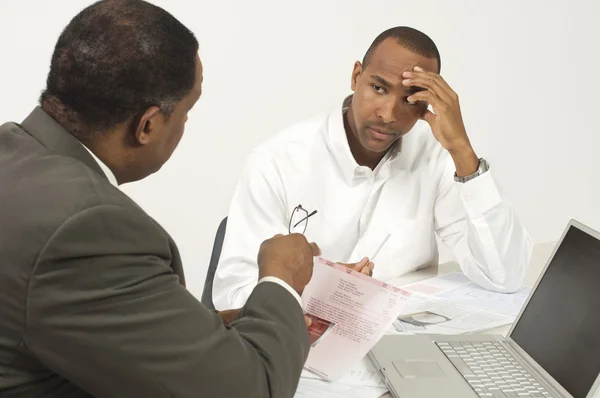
x: 362, y: 380
x: 314, y: 388
x: 361, y: 374
x: 452, y: 304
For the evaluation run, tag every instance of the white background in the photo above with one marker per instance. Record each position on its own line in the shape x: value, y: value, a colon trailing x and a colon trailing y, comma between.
x: 526, y: 72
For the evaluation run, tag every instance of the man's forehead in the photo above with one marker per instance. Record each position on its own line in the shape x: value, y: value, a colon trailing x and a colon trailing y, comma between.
x: 393, y: 58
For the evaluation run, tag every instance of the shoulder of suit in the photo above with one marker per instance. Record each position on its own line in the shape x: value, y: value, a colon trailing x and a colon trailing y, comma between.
x: 60, y: 179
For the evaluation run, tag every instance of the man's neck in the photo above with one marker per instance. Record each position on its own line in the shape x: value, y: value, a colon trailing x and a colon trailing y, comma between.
x: 104, y: 155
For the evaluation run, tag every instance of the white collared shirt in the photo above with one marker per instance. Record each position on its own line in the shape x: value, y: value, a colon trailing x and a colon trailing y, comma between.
x: 107, y: 172
x: 395, y: 210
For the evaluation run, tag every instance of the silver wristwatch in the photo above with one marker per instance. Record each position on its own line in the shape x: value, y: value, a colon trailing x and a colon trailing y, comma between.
x: 483, y: 167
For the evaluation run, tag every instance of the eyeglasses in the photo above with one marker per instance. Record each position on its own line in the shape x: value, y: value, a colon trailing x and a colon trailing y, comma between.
x: 299, y: 220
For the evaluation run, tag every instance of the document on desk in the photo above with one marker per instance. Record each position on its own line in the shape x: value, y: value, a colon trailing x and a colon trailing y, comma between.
x: 361, y: 374
x: 431, y: 315
x: 350, y: 312
x: 315, y: 388
x: 457, y: 288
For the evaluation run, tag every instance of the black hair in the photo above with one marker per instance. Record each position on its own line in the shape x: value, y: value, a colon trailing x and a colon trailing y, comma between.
x: 409, y: 38
x: 115, y: 59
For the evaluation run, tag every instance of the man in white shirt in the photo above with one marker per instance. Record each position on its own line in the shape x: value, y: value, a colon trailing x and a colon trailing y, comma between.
x: 385, y: 175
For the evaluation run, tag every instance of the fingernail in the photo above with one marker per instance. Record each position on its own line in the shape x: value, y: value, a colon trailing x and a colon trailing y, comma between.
x: 407, y: 74
x: 418, y: 69
x: 411, y: 100
x: 406, y: 81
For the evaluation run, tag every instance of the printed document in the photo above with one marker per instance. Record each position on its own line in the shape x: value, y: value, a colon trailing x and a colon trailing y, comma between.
x: 457, y: 288
x: 350, y: 312
x: 361, y: 374
x: 315, y: 388
x: 430, y: 315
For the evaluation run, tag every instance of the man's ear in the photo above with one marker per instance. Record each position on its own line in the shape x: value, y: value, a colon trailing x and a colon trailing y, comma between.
x: 355, y: 74
x: 147, y: 124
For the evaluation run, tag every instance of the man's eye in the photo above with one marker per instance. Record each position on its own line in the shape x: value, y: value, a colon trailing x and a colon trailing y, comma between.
x: 378, y: 89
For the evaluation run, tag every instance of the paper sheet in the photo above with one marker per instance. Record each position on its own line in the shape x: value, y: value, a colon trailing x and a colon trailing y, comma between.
x: 350, y: 311
x: 362, y: 374
x: 457, y: 288
x: 426, y: 314
x: 313, y: 388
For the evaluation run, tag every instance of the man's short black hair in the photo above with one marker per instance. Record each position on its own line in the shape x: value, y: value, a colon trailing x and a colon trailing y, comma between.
x: 115, y: 59
x: 409, y: 38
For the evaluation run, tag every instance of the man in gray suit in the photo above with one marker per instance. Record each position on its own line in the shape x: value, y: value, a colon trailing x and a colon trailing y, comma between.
x: 92, y: 296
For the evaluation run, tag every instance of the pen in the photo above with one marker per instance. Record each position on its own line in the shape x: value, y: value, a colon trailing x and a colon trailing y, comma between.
x: 380, y: 246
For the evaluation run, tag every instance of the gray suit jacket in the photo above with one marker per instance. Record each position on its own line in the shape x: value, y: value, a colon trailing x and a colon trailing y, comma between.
x: 92, y: 296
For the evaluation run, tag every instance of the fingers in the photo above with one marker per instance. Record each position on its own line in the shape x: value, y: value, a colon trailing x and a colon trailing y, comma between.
x: 315, y: 249
x: 427, y: 116
x: 430, y: 97
x: 361, y: 264
x: 308, y: 321
x: 364, y: 266
x: 430, y: 81
x: 368, y: 269
x: 425, y: 76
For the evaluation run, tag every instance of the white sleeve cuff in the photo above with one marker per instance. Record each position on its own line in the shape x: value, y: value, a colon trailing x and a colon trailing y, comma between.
x: 480, y: 194
x: 284, y: 285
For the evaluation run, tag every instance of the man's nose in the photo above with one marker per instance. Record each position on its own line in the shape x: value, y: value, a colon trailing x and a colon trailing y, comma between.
x: 387, y: 112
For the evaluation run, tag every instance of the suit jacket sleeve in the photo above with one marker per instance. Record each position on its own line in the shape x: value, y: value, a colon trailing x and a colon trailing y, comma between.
x: 105, y: 311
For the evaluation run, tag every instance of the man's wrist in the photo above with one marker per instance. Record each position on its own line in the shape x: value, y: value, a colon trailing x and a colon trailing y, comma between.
x: 465, y: 160
x: 284, y: 284
x: 283, y: 276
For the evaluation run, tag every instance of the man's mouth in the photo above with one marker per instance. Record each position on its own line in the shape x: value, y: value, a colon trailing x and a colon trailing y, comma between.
x: 381, y: 134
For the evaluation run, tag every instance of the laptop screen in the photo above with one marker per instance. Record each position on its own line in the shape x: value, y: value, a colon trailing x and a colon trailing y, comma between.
x: 560, y: 328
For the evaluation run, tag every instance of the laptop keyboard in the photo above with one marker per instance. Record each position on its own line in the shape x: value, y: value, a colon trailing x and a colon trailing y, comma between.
x: 491, y: 370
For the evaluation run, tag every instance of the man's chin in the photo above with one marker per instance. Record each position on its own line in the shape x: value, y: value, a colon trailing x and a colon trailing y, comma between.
x: 378, y: 146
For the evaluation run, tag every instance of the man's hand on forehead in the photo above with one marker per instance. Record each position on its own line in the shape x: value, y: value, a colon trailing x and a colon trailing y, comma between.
x: 446, y: 119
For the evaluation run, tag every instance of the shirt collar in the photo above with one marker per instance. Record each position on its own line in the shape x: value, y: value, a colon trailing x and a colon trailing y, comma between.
x: 109, y: 174
x: 341, y: 149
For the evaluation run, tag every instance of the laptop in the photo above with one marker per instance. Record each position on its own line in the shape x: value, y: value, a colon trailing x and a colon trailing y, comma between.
x: 552, y: 349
